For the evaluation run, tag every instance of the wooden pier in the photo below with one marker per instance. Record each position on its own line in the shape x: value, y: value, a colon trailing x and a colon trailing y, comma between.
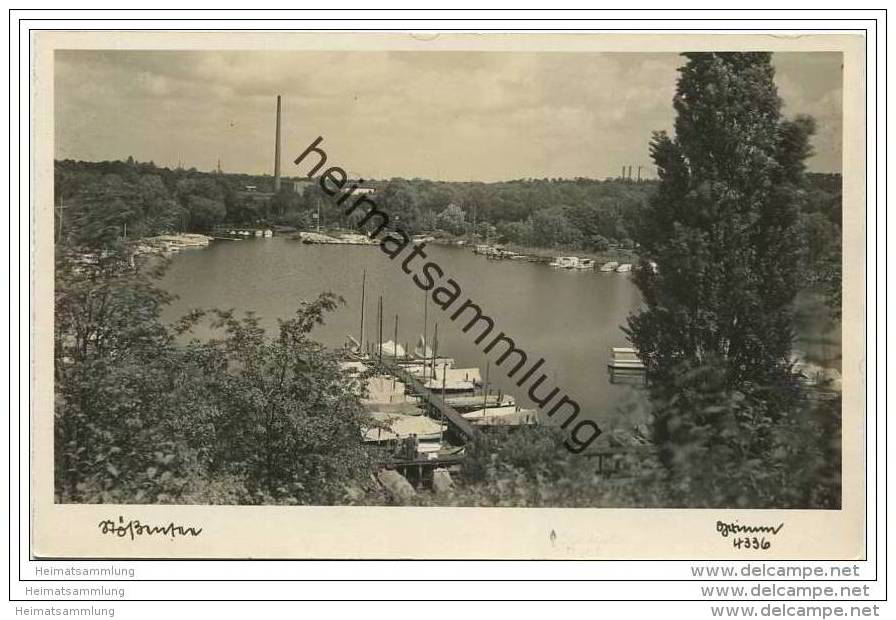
x: 448, y: 413
x: 419, y: 472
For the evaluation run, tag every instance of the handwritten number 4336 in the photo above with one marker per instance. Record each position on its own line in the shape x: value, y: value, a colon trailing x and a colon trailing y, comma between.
x: 751, y: 543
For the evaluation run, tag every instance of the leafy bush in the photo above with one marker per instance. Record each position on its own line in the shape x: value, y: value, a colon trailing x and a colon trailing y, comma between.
x: 244, y: 418
x: 747, y: 447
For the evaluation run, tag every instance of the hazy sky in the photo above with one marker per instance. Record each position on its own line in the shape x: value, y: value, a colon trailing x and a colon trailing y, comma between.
x: 448, y: 115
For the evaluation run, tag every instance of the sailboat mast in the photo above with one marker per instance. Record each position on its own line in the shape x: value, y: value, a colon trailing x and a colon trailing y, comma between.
x: 363, y: 287
x: 435, y: 348
x: 485, y: 389
x: 380, y: 332
x: 425, y: 319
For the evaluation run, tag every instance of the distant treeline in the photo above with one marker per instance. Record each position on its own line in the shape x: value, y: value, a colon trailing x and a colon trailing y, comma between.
x: 106, y: 198
x: 112, y: 199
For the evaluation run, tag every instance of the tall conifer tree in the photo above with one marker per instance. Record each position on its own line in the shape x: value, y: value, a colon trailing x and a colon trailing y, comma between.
x: 721, y: 230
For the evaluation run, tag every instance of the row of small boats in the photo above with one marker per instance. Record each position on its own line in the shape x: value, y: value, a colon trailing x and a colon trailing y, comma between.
x: 401, y: 408
x: 559, y: 262
x: 313, y: 238
x: 171, y: 243
x: 262, y: 232
x: 574, y: 262
x: 497, y: 252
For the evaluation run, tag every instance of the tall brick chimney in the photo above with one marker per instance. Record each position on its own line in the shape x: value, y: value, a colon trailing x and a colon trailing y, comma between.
x: 277, y: 151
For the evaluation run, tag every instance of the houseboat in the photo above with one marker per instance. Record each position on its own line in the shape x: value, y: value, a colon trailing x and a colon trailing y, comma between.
x: 625, y: 362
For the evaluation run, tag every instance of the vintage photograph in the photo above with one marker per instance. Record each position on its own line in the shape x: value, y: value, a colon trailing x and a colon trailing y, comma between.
x: 448, y: 278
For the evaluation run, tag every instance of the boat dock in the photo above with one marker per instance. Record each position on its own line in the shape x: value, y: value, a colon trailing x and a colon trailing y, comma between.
x: 424, y: 411
x: 423, y: 428
x: 446, y: 412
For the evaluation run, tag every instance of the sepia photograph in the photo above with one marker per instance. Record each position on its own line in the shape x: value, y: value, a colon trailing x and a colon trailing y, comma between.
x: 429, y: 308
x: 448, y: 278
x: 399, y: 281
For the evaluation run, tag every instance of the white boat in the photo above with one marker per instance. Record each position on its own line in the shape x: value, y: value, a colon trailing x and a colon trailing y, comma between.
x: 459, y: 374
x: 611, y: 266
x: 430, y: 448
x: 585, y: 263
x: 623, y: 268
x: 402, y: 426
x: 502, y: 416
x: 566, y: 262
x: 487, y: 250
x: 354, y: 239
x: 268, y: 233
x: 352, y: 344
x: 353, y: 367
x: 392, y: 349
x: 625, y: 358
x: 452, y: 380
x: 415, y: 366
x: 421, y: 350
x: 466, y: 403
x: 450, y: 387
x: 463, y: 375
x: 491, y: 411
x: 386, y: 390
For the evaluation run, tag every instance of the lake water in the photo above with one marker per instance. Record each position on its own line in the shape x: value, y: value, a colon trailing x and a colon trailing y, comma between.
x: 570, y: 318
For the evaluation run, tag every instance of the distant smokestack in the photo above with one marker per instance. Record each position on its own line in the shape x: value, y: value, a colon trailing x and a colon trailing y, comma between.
x: 277, y: 151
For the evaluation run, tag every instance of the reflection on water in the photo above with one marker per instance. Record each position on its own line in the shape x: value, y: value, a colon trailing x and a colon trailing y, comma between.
x: 570, y: 318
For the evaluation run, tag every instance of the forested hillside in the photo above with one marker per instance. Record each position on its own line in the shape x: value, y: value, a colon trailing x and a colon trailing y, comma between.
x: 108, y: 200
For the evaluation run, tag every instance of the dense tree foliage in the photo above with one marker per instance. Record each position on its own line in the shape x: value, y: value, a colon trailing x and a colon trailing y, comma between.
x: 723, y: 225
x: 722, y: 246
x: 529, y: 468
x: 142, y: 416
x: 114, y: 200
